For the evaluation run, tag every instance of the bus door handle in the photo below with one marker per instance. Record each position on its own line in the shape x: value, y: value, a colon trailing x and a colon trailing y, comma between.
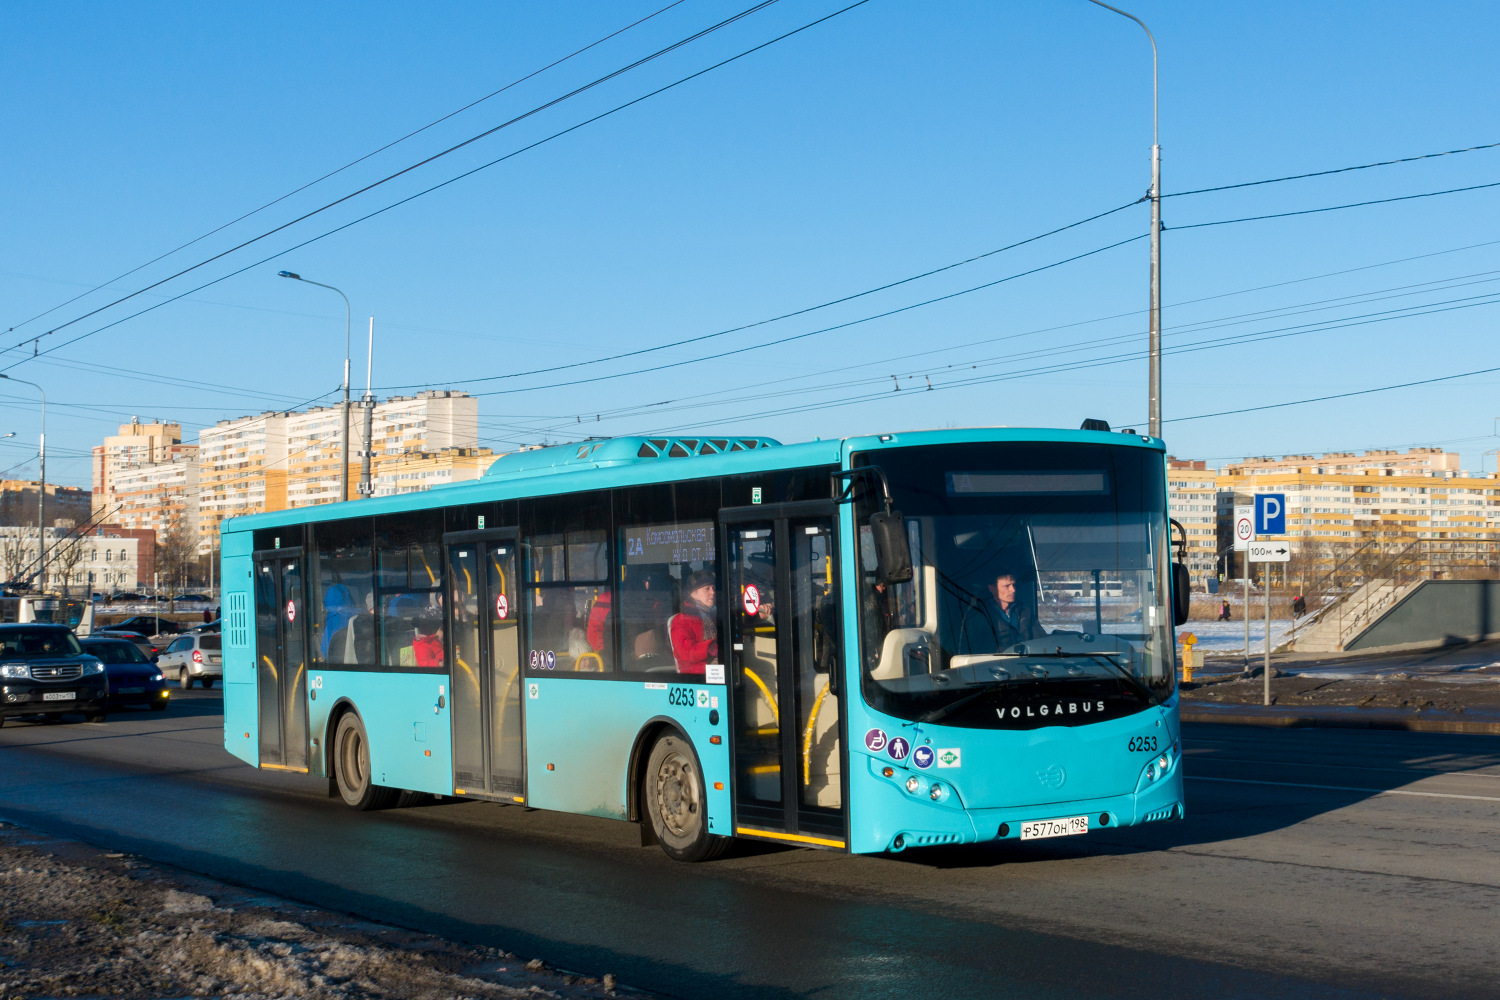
x: 442, y: 701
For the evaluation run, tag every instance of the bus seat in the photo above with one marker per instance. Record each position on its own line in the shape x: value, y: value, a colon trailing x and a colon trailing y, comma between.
x: 906, y: 651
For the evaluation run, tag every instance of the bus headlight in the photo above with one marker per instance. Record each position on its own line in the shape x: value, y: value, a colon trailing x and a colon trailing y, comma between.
x: 1161, y: 766
x: 913, y: 784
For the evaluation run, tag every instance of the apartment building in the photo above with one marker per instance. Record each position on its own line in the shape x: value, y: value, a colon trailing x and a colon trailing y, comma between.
x: 241, y: 470
x: 430, y: 421
x: 157, y: 496
x: 1392, y: 500
x: 137, y: 444
x: 19, y: 503
x: 421, y: 470
x: 314, y: 443
x: 1192, y: 501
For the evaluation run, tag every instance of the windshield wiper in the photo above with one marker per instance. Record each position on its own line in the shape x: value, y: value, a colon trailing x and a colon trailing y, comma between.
x: 1135, y: 683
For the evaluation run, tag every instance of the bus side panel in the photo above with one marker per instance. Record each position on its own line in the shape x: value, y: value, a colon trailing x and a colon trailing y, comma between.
x: 237, y: 609
x: 410, y: 741
x: 579, y: 734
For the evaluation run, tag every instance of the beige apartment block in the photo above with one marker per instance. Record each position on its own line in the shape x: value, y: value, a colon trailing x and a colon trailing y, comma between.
x: 416, y: 471
x: 314, y: 441
x: 1416, y: 460
x: 1454, y: 515
x: 137, y: 444
x: 19, y: 505
x: 157, y: 496
x: 1192, y: 501
x: 242, y: 469
x: 430, y: 421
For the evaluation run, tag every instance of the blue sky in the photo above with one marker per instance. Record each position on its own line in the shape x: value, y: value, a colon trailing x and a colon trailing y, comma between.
x: 890, y: 140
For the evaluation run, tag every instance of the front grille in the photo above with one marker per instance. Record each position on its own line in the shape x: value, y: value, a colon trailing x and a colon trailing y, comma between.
x: 63, y: 672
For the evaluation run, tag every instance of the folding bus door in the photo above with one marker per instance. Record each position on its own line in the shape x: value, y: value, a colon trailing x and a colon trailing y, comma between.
x: 785, y: 657
x: 281, y: 659
x: 488, y: 737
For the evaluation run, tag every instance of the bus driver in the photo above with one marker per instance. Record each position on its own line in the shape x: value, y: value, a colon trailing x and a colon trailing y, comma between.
x: 999, y: 621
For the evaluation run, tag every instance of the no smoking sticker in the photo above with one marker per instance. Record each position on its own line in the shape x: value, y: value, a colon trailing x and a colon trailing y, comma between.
x: 502, y: 606
x: 291, y: 611
x: 752, y: 599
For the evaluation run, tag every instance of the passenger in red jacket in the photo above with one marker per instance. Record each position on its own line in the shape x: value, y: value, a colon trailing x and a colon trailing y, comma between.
x: 695, y: 633
x: 598, y: 630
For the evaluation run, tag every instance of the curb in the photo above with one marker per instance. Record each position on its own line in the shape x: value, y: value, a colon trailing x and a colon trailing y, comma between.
x: 1289, y: 720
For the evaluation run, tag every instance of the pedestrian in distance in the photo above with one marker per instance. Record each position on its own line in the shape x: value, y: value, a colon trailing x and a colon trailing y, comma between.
x: 1224, y: 614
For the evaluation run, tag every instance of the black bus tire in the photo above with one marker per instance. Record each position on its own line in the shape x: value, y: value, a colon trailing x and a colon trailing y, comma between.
x: 676, y: 802
x: 351, y: 767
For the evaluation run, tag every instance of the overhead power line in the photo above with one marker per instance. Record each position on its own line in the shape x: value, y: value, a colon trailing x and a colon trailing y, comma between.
x: 351, y: 163
x: 423, y: 162
x: 1336, y: 208
x: 1335, y: 170
x: 443, y: 184
x: 1341, y: 395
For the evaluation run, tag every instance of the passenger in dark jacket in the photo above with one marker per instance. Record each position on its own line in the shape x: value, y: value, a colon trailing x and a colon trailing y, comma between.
x: 999, y: 621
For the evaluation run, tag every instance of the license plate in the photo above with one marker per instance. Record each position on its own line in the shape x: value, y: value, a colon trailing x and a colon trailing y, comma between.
x: 132, y: 690
x: 1067, y: 827
x: 60, y: 696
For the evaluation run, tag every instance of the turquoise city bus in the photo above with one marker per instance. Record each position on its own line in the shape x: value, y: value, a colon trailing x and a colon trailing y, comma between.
x: 864, y: 645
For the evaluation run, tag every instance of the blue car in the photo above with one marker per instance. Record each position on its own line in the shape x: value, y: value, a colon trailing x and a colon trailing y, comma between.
x: 133, y: 679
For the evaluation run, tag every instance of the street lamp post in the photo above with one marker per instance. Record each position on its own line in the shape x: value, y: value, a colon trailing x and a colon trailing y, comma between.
x: 41, y: 503
x: 344, y: 448
x: 1154, y: 389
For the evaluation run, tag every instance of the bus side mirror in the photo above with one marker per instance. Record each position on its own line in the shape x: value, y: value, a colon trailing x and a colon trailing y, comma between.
x: 892, y: 553
x: 1182, y: 594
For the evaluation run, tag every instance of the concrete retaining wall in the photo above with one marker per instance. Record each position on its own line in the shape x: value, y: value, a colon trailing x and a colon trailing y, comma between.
x: 1438, y: 611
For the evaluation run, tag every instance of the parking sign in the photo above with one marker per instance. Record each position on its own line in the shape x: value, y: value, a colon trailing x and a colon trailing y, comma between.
x: 1270, y: 513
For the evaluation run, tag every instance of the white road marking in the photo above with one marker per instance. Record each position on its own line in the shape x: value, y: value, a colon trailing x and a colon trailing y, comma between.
x: 1346, y: 788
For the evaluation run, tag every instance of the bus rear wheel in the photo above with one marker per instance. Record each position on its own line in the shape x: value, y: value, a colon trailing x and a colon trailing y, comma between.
x: 351, y: 767
x: 677, y: 802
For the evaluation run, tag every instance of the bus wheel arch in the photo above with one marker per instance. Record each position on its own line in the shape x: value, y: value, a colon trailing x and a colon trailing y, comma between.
x: 673, y: 797
x: 353, y: 778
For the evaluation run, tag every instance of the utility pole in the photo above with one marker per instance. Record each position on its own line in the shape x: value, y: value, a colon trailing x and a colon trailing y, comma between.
x: 1154, y: 387
x: 366, y: 489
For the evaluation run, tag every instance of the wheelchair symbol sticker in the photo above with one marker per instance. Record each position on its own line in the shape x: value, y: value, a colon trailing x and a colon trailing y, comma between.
x: 875, y: 740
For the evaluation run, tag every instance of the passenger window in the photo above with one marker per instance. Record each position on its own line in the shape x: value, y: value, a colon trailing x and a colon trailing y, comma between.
x: 663, y: 629
x: 343, y: 621
x: 569, y: 597
x: 408, y: 595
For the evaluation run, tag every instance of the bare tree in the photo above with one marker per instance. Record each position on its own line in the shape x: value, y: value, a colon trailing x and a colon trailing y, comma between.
x: 176, y: 555
x: 65, y: 554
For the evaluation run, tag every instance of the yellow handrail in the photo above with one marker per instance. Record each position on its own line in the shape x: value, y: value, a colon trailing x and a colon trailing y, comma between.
x: 578, y: 663
x: 765, y: 691
x: 812, y: 722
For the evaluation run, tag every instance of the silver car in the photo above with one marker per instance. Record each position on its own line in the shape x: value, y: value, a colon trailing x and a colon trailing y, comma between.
x: 195, y: 656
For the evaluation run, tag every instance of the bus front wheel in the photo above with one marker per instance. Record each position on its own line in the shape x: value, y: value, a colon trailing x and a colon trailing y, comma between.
x: 677, y: 802
x: 351, y: 766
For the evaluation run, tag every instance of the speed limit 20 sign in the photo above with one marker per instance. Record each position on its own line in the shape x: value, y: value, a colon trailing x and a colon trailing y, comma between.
x: 1244, y: 527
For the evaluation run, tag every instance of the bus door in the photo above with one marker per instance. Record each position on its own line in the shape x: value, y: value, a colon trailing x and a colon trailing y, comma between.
x: 784, y: 660
x: 281, y: 658
x: 485, y: 672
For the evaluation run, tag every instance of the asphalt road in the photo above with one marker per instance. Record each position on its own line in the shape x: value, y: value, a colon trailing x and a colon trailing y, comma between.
x: 1312, y: 863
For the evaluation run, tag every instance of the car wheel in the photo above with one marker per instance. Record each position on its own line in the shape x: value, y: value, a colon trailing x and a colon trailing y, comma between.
x: 185, y: 679
x: 677, y: 802
x: 94, y: 717
x: 351, y: 767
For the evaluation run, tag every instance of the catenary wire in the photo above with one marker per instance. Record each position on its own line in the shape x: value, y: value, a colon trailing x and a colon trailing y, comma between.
x: 443, y: 184
x: 1335, y: 208
x: 1341, y: 395
x: 1336, y: 170
x: 351, y: 163
x: 420, y: 163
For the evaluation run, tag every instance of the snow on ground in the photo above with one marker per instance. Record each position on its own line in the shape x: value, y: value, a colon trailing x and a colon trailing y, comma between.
x: 1229, y: 637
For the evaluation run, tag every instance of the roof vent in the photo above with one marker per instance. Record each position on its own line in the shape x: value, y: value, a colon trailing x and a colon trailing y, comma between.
x: 1095, y: 424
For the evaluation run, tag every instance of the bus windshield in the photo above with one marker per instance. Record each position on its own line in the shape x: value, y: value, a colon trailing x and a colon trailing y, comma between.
x: 1039, y: 587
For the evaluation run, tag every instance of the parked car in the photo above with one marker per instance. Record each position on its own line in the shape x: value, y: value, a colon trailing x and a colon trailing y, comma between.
x: 212, y: 626
x: 126, y: 598
x: 44, y: 671
x: 190, y: 598
x: 194, y: 656
x: 133, y: 679
x: 145, y: 625
x: 150, y: 648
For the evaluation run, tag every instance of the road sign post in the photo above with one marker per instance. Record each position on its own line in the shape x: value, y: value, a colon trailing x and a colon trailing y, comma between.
x: 1244, y: 531
x: 1270, y: 519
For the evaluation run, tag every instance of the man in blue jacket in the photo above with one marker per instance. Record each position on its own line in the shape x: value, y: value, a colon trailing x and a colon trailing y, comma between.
x: 999, y: 621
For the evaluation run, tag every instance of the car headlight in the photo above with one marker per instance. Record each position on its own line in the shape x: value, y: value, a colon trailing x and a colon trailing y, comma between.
x: 93, y: 666
x: 15, y: 671
x: 156, y: 677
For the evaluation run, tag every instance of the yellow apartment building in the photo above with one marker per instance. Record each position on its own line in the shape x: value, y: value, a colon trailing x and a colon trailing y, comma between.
x: 420, y: 470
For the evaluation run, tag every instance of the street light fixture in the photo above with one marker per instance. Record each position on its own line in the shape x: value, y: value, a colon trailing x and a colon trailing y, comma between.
x: 1154, y: 390
x: 41, y: 504
x: 344, y: 448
